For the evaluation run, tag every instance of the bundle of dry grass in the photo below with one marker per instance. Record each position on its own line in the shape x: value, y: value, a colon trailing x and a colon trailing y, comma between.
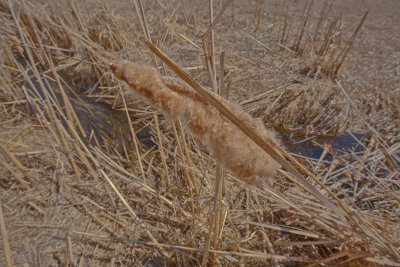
x: 68, y: 201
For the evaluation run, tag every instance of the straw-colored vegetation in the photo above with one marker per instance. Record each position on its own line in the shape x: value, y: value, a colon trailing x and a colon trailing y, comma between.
x: 93, y: 175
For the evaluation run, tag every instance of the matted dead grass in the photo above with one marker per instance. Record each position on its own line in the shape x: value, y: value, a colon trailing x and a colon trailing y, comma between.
x: 81, y: 186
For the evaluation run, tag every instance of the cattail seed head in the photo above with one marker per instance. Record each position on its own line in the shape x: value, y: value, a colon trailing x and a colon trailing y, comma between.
x: 227, y: 143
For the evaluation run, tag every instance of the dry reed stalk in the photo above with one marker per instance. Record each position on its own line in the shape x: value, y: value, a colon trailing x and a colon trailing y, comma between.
x: 209, y: 59
x: 18, y: 177
x: 6, y: 85
x: 297, y: 42
x: 211, y: 51
x: 259, y: 43
x: 191, y: 42
x: 231, y: 147
x: 143, y: 23
x: 191, y: 180
x: 323, y: 15
x: 220, y: 175
x: 215, y: 229
x: 162, y: 154
x: 343, y: 55
x: 217, y: 18
x: 257, y: 14
x: 18, y: 164
x: 208, y: 241
x: 70, y: 251
x: 6, y: 244
x: 134, y: 137
x: 325, y: 47
x: 189, y: 158
x: 219, y: 189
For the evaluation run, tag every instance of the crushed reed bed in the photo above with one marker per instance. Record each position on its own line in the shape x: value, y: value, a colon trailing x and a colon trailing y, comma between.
x: 93, y: 175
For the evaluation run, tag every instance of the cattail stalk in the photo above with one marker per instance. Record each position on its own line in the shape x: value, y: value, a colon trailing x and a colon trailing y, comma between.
x: 230, y: 146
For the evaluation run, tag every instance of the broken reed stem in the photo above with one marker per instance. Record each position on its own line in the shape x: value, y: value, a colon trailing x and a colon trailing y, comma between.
x: 18, y: 164
x: 221, y: 76
x: 257, y: 14
x: 6, y: 244
x: 217, y: 18
x: 208, y: 62
x: 276, y: 5
x: 218, y: 205
x: 162, y: 154
x: 191, y: 42
x: 211, y: 51
x: 134, y: 137
x: 70, y: 251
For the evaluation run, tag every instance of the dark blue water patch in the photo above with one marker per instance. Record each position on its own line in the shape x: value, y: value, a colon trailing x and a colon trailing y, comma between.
x: 37, y: 88
x: 312, y: 147
x: 98, y: 118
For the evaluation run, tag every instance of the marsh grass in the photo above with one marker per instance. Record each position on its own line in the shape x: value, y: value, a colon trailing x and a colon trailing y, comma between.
x: 68, y: 199
x: 324, y: 44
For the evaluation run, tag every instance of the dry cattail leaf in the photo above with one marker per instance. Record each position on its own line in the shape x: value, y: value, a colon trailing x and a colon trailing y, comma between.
x: 230, y: 146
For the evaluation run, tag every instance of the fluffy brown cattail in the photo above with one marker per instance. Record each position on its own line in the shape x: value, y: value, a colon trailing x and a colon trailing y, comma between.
x: 228, y: 144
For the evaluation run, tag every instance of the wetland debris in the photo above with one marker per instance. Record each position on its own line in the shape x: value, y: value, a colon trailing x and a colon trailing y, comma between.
x: 71, y: 216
